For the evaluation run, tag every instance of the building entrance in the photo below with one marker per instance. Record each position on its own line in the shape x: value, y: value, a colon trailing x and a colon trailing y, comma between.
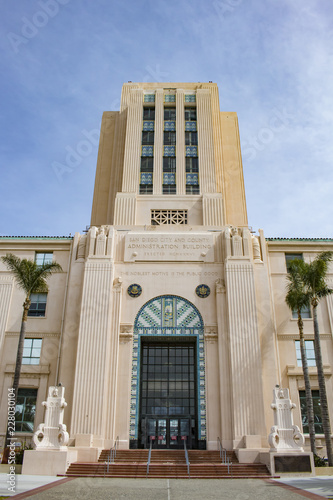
x: 168, y: 375
x: 168, y: 432
x: 168, y: 394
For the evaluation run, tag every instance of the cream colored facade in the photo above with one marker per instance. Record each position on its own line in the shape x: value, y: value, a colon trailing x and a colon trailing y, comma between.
x: 169, y: 260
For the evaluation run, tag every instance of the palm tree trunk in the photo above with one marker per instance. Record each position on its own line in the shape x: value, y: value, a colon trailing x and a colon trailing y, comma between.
x: 322, y: 387
x: 308, y: 393
x: 19, y: 357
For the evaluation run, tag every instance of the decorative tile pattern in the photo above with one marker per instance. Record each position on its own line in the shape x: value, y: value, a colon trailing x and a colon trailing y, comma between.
x: 148, y: 126
x: 169, y: 178
x: 149, y: 98
x: 189, y: 97
x: 169, y: 126
x: 169, y: 150
x: 190, y: 126
x: 147, y: 151
x: 169, y: 97
x: 146, y: 178
x: 191, y: 150
x: 192, y: 179
x: 168, y: 315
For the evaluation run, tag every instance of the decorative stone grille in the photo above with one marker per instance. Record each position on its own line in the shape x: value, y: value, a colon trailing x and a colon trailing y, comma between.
x: 159, y: 217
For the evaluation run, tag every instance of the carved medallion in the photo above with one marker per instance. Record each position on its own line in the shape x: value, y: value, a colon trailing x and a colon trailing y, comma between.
x: 134, y: 290
x: 202, y: 291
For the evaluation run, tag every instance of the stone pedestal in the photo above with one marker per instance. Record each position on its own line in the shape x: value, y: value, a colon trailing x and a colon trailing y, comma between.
x: 48, y: 462
x: 53, y: 434
x: 286, y: 440
x: 51, y: 456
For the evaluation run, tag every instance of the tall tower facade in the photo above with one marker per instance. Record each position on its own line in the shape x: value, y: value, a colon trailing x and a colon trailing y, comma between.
x: 169, y: 147
x: 169, y: 334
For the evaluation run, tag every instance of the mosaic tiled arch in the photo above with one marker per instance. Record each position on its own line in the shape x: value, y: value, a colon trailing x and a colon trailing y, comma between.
x: 168, y: 315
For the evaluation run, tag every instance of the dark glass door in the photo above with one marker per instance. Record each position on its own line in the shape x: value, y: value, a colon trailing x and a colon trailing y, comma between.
x: 169, y: 432
x: 168, y: 399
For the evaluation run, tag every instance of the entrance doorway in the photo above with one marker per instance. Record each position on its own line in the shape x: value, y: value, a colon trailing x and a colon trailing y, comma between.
x: 168, y: 432
x: 168, y: 394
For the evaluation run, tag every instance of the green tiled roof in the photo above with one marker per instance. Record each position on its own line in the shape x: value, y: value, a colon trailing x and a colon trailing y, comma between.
x: 36, y: 237
x: 315, y: 240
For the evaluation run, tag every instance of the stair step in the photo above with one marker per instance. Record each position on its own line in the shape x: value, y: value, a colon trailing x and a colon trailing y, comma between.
x: 167, y: 464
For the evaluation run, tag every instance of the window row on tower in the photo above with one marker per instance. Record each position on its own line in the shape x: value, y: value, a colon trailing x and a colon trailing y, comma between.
x: 169, y: 151
x: 169, y: 98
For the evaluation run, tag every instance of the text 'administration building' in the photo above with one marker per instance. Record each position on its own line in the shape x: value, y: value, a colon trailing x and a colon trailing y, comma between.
x: 169, y: 317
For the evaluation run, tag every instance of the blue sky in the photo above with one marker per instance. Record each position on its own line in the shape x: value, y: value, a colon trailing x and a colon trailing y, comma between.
x: 64, y: 62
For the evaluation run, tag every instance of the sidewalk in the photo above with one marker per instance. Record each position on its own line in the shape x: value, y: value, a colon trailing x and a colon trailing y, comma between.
x: 52, y: 488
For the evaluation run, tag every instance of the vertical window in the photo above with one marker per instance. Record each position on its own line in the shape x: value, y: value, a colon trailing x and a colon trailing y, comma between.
x: 305, y: 313
x: 169, y: 97
x: 169, y: 151
x: 147, y: 150
x: 170, y: 114
x: 189, y: 97
x: 191, y: 150
x: 190, y: 114
x: 292, y: 256
x: 191, y: 139
x: 149, y: 113
x: 25, y: 410
x: 147, y: 138
x: 169, y: 138
x: 43, y: 258
x: 149, y: 98
x: 38, y: 304
x: 316, y: 410
x: 309, y: 351
x: 31, y: 351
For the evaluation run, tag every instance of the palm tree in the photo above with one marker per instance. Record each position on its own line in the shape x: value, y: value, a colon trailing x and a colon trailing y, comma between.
x: 296, y: 299
x: 314, y: 278
x: 31, y: 278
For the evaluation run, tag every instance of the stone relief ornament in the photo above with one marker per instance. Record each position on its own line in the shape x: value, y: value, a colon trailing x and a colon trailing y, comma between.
x: 134, y: 290
x: 202, y: 291
x: 285, y: 436
x: 53, y: 433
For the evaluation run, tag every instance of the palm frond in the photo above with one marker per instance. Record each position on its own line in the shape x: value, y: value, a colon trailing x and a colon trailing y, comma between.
x: 29, y: 276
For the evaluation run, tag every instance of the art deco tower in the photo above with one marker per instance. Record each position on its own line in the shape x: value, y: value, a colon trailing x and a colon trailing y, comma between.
x: 169, y: 281
x: 169, y: 147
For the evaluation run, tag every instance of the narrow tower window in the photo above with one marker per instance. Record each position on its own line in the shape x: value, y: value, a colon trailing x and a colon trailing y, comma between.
x: 191, y: 149
x: 147, y: 150
x: 169, y: 151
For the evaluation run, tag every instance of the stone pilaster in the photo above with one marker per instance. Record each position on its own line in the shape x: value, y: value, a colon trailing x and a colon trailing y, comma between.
x: 91, y: 362
x: 113, y: 351
x: 246, y: 371
x: 205, y: 142
x: 132, y: 155
x: 212, y: 209
x: 224, y: 365
x: 125, y: 209
x: 329, y: 300
x: 6, y: 287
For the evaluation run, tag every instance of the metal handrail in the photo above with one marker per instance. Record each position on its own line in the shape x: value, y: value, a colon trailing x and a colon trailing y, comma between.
x: 186, y: 458
x: 111, y: 455
x: 223, y: 456
x: 149, y: 456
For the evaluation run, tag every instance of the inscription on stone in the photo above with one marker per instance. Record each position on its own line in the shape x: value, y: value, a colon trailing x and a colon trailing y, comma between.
x: 166, y: 247
x: 287, y: 463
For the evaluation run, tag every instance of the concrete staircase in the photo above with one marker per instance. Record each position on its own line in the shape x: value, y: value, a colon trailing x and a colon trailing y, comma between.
x: 167, y: 464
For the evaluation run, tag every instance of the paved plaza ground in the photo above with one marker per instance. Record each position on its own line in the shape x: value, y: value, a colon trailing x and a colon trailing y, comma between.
x: 49, y: 488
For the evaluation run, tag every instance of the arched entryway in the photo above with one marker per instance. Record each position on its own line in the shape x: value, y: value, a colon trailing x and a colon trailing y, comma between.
x: 168, y: 375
